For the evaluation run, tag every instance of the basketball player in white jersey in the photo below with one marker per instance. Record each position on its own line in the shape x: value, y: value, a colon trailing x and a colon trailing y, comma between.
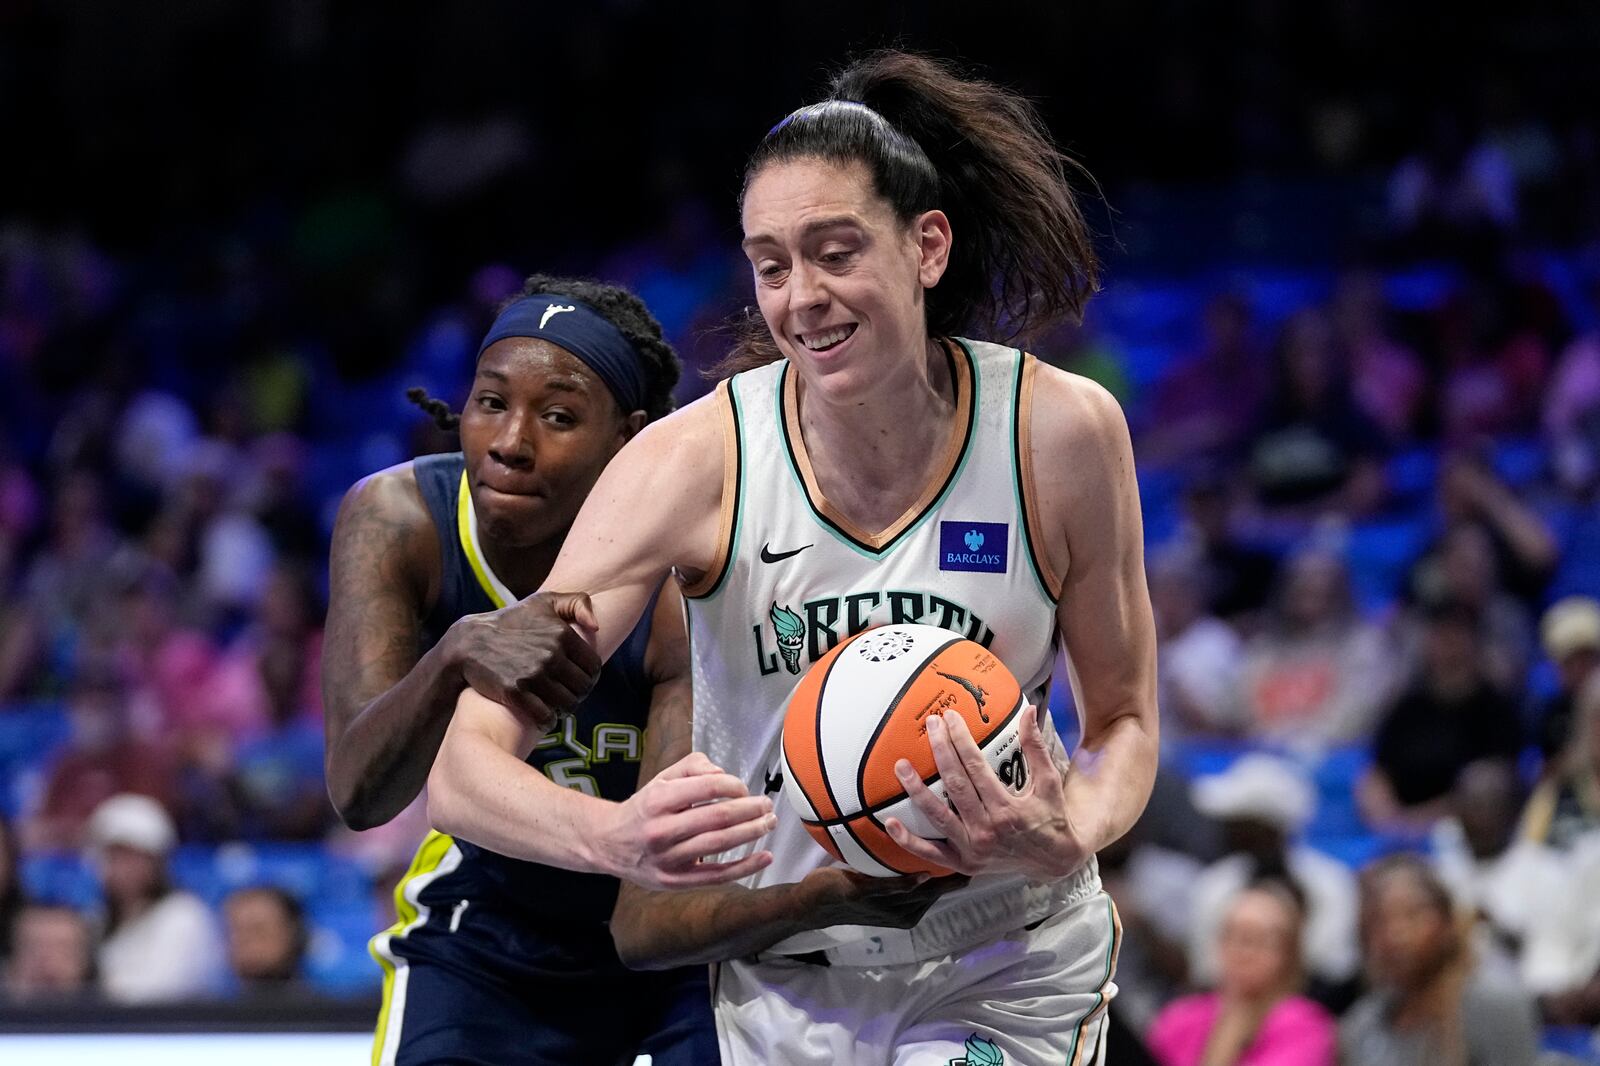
x: 871, y: 466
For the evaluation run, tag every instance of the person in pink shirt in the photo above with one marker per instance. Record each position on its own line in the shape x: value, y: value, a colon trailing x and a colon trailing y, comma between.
x: 1256, y: 1017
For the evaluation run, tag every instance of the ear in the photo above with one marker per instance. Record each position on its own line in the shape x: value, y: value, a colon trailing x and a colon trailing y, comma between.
x: 932, y: 232
x: 632, y: 424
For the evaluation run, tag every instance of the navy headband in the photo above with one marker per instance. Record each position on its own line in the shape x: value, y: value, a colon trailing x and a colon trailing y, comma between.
x: 581, y: 330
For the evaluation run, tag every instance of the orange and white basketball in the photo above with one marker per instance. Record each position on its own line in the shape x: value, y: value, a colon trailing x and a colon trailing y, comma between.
x: 864, y: 706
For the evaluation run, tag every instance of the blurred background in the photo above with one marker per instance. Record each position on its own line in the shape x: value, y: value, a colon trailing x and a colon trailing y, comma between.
x: 1351, y: 307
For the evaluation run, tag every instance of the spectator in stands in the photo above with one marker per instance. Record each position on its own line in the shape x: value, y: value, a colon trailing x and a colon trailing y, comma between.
x: 1576, y: 1001
x: 160, y: 943
x: 170, y: 666
x: 1319, y: 674
x: 1257, y: 1015
x: 1471, y: 493
x: 1388, y: 381
x: 277, y: 776
x: 1431, y: 1003
x: 101, y: 760
x: 262, y: 779
x: 1452, y: 197
x: 267, y: 939
x: 1570, y: 634
x: 1571, y: 414
x: 233, y: 554
x: 1263, y: 803
x: 1465, y: 570
x: 1204, y: 407
x: 1450, y: 716
x: 1496, y: 358
x: 1239, y: 578
x: 53, y: 957
x: 1566, y: 804
x: 10, y: 887
x: 1313, y: 449
x: 1515, y: 887
x: 60, y: 589
x: 1200, y: 654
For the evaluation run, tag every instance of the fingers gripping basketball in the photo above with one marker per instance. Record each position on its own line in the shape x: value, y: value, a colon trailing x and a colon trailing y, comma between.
x: 864, y: 706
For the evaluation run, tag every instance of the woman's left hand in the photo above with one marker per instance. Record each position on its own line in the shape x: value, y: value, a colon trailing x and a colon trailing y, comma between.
x: 987, y: 825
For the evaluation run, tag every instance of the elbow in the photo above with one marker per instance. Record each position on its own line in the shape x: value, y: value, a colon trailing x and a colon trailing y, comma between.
x: 348, y: 803
x: 357, y: 816
x: 636, y: 950
x: 355, y: 804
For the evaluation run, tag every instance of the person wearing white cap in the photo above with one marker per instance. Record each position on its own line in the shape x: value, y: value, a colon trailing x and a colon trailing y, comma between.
x: 1569, y: 633
x: 1264, y: 802
x: 161, y: 944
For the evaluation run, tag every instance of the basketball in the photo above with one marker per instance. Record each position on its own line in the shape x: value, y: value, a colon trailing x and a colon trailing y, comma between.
x: 864, y: 706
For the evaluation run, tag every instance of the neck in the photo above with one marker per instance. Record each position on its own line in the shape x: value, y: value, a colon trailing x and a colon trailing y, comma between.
x: 1259, y: 1002
x: 900, y: 425
x: 522, y: 567
x: 1435, y: 996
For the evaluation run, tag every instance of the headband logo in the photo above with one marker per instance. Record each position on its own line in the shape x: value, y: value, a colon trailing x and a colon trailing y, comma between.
x: 551, y: 311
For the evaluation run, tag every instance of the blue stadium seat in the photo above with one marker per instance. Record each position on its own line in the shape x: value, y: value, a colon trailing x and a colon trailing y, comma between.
x: 1581, y: 1043
x: 60, y: 877
x: 1520, y: 460
x: 1379, y: 554
x: 1201, y: 758
x: 338, y: 962
x: 1413, y: 475
x: 28, y: 733
x: 1337, y: 816
x: 305, y: 870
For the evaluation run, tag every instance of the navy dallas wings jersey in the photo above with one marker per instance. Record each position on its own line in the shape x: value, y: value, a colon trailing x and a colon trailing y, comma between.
x: 517, y: 957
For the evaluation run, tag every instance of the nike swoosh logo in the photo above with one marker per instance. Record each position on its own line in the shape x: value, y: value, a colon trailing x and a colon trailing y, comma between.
x: 768, y: 556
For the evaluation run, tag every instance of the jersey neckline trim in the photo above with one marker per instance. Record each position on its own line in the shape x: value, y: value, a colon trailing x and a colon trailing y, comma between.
x: 467, y: 532
x: 964, y: 372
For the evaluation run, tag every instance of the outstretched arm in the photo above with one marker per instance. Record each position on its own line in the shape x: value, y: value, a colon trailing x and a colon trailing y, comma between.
x: 656, y: 930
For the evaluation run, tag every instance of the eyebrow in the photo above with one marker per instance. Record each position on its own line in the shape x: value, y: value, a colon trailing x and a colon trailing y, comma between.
x: 806, y: 231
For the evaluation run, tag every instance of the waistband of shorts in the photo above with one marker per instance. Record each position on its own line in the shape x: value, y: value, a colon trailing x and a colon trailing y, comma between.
x: 952, y: 929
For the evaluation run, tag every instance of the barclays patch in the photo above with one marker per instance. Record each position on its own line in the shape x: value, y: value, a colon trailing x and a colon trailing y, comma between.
x: 976, y: 547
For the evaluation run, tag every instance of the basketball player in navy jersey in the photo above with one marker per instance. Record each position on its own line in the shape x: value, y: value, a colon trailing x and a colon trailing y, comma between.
x: 837, y: 482
x: 496, y: 959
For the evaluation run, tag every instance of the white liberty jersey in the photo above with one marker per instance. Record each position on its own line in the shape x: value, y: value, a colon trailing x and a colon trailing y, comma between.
x: 793, y: 577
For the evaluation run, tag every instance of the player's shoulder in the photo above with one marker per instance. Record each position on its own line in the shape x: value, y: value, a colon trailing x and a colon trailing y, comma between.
x: 1072, y: 411
x: 686, y: 444
x: 392, y: 493
x: 385, y: 520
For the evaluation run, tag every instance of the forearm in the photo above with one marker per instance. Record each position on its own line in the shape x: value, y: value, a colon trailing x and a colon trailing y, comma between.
x: 380, y: 761
x: 485, y: 794
x: 1110, y: 778
x: 659, y: 930
x: 1526, y: 534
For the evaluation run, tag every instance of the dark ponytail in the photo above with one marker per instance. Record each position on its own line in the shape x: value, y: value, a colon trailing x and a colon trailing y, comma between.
x: 1022, y: 258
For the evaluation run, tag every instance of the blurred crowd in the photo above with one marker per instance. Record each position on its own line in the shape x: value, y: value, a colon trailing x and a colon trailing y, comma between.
x: 1372, y: 499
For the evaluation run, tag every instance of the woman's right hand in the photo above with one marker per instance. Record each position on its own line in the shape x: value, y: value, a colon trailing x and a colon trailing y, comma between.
x: 693, y: 810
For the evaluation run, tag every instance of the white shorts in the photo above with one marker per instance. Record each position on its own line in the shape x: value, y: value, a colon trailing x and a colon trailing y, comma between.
x: 1030, y: 997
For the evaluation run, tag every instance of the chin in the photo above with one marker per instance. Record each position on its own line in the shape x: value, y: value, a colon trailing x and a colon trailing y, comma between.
x: 517, y: 521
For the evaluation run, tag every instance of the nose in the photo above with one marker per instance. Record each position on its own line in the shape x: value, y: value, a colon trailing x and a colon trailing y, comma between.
x: 512, y: 446
x: 806, y: 290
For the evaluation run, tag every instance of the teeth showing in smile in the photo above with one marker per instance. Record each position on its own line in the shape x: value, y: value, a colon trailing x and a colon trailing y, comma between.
x: 818, y: 341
